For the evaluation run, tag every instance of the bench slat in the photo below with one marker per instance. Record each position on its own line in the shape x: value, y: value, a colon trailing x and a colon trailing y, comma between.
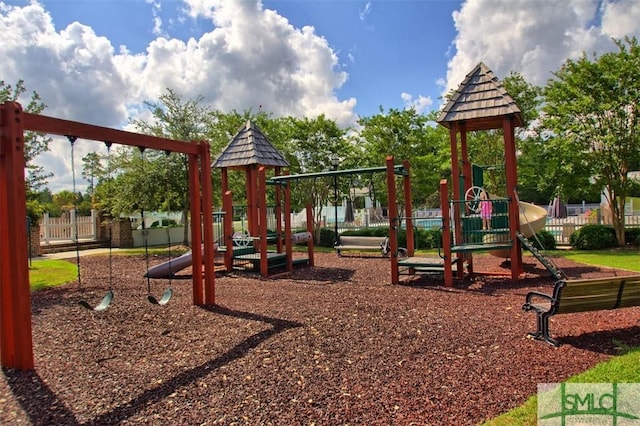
x: 586, y: 304
x: 630, y: 295
x: 359, y: 243
x: 571, y: 296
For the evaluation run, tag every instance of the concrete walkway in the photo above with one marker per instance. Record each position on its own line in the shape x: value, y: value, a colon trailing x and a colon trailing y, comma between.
x: 72, y: 254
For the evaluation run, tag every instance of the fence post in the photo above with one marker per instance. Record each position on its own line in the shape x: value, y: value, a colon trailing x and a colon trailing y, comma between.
x: 45, y: 224
x: 94, y: 224
x: 74, y: 225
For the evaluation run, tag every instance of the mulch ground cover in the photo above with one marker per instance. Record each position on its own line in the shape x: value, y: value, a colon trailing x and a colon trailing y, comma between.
x: 331, y: 344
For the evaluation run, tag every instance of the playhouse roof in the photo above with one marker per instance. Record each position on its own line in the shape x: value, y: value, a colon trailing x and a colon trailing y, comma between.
x: 481, y: 102
x: 250, y: 147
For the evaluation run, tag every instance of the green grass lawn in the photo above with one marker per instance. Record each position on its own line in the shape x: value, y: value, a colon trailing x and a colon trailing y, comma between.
x: 51, y: 273
x: 628, y: 259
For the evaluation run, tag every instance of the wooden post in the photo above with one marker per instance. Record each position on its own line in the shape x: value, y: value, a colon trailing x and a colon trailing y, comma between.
x: 227, y: 206
x: 406, y: 183
x: 252, y: 201
x: 16, y: 343
x: 512, y: 187
x: 278, y: 212
x: 288, y: 245
x: 446, y: 232
x: 457, y: 197
x: 262, y: 220
x: 467, y: 179
x: 196, y: 229
x: 207, y: 222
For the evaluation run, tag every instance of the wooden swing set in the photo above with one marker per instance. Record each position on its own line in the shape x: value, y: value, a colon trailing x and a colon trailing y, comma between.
x: 16, y: 339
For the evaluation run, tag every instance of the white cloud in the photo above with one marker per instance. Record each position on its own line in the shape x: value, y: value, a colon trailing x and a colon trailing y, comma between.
x: 534, y: 38
x: 249, y: 57
x: 421, y: 103
x: 620, y: 18
x: 365, y: 11
x: 156, y: 7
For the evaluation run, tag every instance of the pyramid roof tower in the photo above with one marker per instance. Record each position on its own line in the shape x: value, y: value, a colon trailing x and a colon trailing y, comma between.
x: 250, y: 147
x: 481, y: 102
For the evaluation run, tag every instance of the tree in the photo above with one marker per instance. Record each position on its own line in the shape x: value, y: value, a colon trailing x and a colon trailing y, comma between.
x: 406, y: 135
x: 309, y: 145
x: 34, y: 144
x: 592, y: 108
x: 174, y: 118
x: 92, y: 170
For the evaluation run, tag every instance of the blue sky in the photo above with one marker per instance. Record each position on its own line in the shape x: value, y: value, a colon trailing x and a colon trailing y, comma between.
x: 387, y: 47
x: 97, y: 61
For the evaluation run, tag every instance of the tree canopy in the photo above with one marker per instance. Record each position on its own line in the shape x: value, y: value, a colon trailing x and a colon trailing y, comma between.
x: 592, y: 111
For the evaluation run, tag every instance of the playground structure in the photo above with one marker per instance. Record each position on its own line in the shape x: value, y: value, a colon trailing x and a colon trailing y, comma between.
x: 16, y: 343
x: 480, y: 103
x: 391, y: 171
x: 250, y: 151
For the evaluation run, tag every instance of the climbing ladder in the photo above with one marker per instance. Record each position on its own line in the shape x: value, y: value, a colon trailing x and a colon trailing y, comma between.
x: 547, y: 262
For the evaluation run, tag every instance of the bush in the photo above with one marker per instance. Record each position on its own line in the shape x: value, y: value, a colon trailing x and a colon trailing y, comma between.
x: 327, y: 237
x: 427, y: 238
x: 35, y: 210
x: 632, y: 236
x: 593, y: 237
x: 547, y: 240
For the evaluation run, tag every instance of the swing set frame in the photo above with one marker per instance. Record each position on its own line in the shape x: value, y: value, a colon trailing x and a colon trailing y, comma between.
x: 16, y: 338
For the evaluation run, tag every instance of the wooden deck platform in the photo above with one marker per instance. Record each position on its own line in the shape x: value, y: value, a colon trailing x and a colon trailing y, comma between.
x: 274, y: 260
x: 418, y: 265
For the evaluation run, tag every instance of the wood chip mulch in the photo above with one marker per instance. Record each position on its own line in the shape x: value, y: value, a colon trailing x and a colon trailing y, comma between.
x: 332, y: 344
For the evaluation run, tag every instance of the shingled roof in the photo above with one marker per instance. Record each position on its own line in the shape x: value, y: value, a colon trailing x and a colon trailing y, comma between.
x: 250, y: 146
x: 481, y: 102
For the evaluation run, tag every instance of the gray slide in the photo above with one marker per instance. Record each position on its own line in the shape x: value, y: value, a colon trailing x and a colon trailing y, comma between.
x: 171, y: 267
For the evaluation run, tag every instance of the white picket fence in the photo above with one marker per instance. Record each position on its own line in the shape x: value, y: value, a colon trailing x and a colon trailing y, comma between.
x: 64, y: 228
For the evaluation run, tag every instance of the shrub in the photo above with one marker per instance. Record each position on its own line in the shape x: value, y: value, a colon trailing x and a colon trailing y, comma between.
x: 35, y: 210
x: 632, y: 236
x: 427, y: 238
x: 593, y: 237
x: 547, y: 240
x: 327, y: 237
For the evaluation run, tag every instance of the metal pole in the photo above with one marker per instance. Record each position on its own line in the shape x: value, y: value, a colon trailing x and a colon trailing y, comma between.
x: 335, y: 205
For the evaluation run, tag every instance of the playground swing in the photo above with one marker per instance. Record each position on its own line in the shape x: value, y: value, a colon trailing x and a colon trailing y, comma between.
x: 108, y: 297
x: 168, y: 293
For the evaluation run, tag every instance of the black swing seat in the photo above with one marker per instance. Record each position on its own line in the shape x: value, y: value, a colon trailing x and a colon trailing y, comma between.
x: 104, y: 303
x: 166, y: 296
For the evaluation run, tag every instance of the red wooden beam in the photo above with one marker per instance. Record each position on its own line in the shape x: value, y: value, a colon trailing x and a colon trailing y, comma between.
x: 512, y: 186
x: 406, y: 183
x: 16, y: 343
x: 196, y: 229
x: 227, y: 206
x: 58, y: 126
x: 288, y: 244
x: 446, y: 232
x: 207, y: 221
x: 262, y: 211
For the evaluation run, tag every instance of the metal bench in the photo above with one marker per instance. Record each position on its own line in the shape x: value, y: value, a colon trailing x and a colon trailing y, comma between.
x: 570, y: 296
x: 359, y: 243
